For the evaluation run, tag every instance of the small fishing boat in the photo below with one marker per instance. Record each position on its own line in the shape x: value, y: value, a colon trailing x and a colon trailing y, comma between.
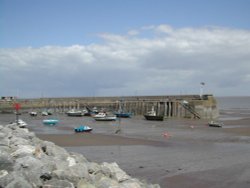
x: 20, y: 123
x: 45, y: 113
x: 103, y: 116
x: 50, y: 121
x: 33, y: 113
x: 76, y: 113
x: 83, y: 128
x: 151, y: 115
x: 215, y: 124
x: 123, y: 114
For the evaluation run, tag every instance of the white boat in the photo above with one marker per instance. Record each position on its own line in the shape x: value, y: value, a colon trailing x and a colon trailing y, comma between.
x: 102, y: 116
x: 33, y: 113
x: 151, y: 115
x: 20, y: 123
x: 74, y: 112
x: 45, y: 113
x: 215, y: 124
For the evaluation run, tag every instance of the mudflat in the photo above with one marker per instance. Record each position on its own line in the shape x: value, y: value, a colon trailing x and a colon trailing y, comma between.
x: 89, y: 139
x: 173, y: 153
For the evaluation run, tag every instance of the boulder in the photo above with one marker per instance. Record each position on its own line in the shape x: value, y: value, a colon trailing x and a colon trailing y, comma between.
x: 27, y: 162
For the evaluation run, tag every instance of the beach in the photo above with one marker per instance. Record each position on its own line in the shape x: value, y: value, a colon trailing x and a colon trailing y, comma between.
x: 193, y: 155
x: 173, y: 153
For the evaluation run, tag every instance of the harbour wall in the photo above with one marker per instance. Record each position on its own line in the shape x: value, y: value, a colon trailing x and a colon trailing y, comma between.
x: 172, y: 106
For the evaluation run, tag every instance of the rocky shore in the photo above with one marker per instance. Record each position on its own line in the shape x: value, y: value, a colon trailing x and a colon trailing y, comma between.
x: 29, y: 162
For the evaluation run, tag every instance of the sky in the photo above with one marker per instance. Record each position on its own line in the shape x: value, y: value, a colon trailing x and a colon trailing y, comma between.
x: 74, y: 48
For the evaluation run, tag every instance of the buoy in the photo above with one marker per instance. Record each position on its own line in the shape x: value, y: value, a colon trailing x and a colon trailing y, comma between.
x: 166, y: 135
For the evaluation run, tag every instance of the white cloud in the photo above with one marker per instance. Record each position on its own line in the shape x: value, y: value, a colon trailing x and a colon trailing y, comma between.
x: 165, y: 60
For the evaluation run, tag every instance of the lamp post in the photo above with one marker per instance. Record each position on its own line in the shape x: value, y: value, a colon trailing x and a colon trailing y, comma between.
x: 201, y: 88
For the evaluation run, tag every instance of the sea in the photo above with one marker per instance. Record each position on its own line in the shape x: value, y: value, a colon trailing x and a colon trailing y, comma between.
x: 233, y: 108
x: 233, y: 103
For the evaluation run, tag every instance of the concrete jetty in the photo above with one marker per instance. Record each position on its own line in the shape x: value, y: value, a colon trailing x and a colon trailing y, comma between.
x: 172, y: 106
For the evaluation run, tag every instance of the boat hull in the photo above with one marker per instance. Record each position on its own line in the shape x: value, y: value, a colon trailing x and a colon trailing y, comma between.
x: 83, y: 129
x: 123, y: 115
x: 105, y: 118
x: 214, y: 125
x: 154, y: 118
x: 50, y: 122
x: 75, y: 114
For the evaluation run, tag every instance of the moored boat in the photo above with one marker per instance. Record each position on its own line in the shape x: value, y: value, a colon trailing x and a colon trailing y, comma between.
x: 215, y: 124
x: 75, y: 113
x: 50, y: 121
x: 83, y: 128
x: 20, y: 123
x: 45, y: 113
x: 102, y: 116
x: 151, y: 115
x: 123, y: 114
x: 33, y: 113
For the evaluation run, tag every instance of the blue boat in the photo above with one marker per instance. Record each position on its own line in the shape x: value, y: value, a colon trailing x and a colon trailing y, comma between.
x: 123, y: 114
x: 50, y: 121
x: 83, y: 128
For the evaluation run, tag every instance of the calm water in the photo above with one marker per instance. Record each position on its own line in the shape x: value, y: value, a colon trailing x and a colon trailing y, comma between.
x: 230, y: 103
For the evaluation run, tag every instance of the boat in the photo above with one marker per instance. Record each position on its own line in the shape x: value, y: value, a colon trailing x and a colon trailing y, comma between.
x: 103, y: 116
x: 123, y: 114
x: 215, y: 124
x: 50, y: 112
x: 33, y: 113
x: 50, y: 121
x: 45, y: 113
x: 151, y: 115
x: 83, y: 128
x: 75, y: 113
x: 20, y: 123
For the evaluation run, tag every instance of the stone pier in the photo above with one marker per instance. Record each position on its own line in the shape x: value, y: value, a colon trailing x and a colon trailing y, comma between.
x: 177, y: 106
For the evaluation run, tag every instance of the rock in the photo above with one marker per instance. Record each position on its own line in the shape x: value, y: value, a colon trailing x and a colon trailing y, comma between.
x: 54, y: 183
x: 114, y: 171
x: 26, y: 161
x: 23, y: 150
x: 105, y: 182
x: 72, y: 173
x: 131, y: 183
x: 6, y: 161
x: 46, y: 176
x: 93, y: 168
x: 72, y: 161
x: 84, y: 184
x: 53, y: 150
x: 3, y: 173
x: 19, y: 182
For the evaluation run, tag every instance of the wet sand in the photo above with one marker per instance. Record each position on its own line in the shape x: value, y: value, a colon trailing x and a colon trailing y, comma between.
x: 193, y: 155
x: 89, y: 139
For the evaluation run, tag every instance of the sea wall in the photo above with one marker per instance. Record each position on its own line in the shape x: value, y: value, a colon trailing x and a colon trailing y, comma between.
x: 204, y: 107
x: 28, y: 162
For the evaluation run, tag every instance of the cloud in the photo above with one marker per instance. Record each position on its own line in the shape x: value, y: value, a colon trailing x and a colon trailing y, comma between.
x: 152, y: 60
